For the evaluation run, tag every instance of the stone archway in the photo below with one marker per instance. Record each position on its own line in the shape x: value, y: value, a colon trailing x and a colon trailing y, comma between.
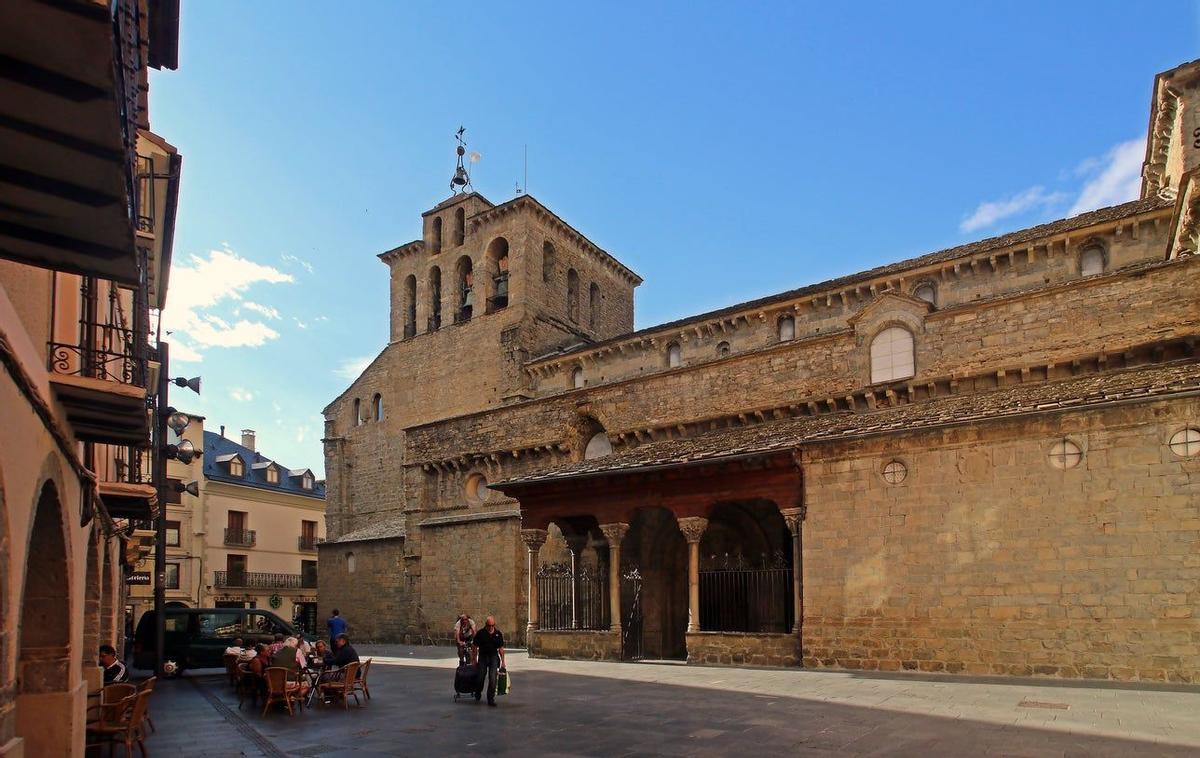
x: 655, y: 609
x: 92, y: 593
x: 44, y: 657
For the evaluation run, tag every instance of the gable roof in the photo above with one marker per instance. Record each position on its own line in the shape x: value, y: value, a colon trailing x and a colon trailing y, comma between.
x: 218, y: 450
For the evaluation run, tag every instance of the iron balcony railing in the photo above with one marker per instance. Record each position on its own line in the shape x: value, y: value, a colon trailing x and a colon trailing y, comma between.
x: 107, y: 346
x: 241, y: 537
x: 265, y: 580
x: 309, y: 542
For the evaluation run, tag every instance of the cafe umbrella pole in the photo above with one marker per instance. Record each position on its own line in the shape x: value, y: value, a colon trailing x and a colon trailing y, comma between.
x: 159, y: 462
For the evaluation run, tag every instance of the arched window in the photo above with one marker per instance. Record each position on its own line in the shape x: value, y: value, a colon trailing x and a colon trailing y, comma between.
x: 593, y: 305
x: 787, y: 328
x: 577, y: 379
x: 410, y: 306
x: 350, y: 563
x: 357, y: 412
x: 377, y: 403
x: 598, y: 446
x: 547, y: 261
x: 573, y: 295
x: 435, y: 300
x: 497, y: 266
x: 435, y: 242
x: 1091, y: 261
x: 926, y: 291
x: 674, y: 355
x: 722, y: 349
x: 892, y: 355
x: 465, y: 281
x: 460, y: 226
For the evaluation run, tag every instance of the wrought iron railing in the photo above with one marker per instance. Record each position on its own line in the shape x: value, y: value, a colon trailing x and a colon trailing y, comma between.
x: 241, y: 537
x: 106, y: 347
x: 145, y: 199
x: 264, y: 580
x: 569, y: 600
x: 739, y: 596
x: 307, y: 542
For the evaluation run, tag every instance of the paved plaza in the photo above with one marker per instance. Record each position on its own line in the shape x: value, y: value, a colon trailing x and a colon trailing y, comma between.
x: 626, y: 709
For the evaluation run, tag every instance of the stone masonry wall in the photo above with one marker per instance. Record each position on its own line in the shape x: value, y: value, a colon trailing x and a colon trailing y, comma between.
x: 377, y: 599
x: 576, y: 645
x: 988, y: 560
x: 741, y: 649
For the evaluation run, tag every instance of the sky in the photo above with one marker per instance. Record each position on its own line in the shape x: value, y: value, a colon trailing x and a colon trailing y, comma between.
x: 723, y: 151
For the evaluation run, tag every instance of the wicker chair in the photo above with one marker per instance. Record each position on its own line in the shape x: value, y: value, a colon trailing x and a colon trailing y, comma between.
x: 109, y: 709
x: 128, y: 730
x: 148, y: 686
x: 231, y: 668
x: 249, y: 686
x: 360, y: 683
x: 343, y: 685
x: 281, y: 688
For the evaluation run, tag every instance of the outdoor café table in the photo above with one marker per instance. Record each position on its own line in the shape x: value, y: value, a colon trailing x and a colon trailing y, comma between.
x: 316, y: 675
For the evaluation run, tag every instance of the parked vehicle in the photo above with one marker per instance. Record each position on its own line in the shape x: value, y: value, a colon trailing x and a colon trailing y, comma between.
x: 197, y: 637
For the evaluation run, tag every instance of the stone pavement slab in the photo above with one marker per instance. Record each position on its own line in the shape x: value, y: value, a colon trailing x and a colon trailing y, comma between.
x: 568, y: 708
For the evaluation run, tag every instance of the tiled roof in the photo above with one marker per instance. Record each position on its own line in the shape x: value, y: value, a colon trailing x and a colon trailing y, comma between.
x: 1021, y: 236
x: 1044, y: 397
x: 379, y: 530
x: 218, y: 450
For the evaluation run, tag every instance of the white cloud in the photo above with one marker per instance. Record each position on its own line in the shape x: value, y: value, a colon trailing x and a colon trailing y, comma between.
x: 992, y: 211
x: 200, y: 285
x: 288, y: 258
x: 300, y: 323
x: 265, y: 310
x: 1119, y: 177
x: 351, y: 368
x: 241, y: 395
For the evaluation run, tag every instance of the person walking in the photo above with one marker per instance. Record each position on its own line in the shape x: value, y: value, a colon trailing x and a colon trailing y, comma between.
x: 464, y: 632
x: 337, y: 625
x: 488, y: 654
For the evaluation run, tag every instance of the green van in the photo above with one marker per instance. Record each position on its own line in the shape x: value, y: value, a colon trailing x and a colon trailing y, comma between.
x: 197, y: 637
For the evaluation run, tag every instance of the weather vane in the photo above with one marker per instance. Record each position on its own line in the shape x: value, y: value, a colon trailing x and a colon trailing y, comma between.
x: 461, y: 181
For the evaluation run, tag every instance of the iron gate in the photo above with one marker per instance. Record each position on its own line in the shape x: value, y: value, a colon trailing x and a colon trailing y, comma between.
x: 557, y: 585
x: 631, y: 613
x: 739, y: 596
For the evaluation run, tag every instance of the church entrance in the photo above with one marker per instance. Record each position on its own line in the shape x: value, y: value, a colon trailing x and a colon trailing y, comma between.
x: 654, y: 592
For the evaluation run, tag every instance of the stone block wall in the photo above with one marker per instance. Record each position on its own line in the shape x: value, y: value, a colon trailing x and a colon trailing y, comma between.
x: 743, y: 649
x: 987, y: 559
x: 378, y: 598
x: 576, y: 645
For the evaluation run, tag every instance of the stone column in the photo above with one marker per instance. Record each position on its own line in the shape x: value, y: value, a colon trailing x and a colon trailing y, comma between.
x: 794, y: 517
x: 693, y: 529
x: 614, y: 533
x: 575, y: 543
x: 533, y: 539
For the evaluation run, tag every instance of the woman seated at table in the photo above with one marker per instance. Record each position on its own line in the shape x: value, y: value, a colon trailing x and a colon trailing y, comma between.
x: 261, y: 661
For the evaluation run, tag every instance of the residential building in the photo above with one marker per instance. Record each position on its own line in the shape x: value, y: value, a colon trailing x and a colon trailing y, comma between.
x: 980, y: 460
x: 249, y: 540
x: 86, y: 229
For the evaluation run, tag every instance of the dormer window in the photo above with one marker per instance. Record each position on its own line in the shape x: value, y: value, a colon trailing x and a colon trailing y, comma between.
x: 236, y: 467
x: 306, y: 481
x: 272, y: 475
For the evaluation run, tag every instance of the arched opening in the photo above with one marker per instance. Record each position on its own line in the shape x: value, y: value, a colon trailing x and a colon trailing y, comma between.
x: 593, y: 305
x: 460, y: 226
x: 654, y: 587
x: 435, y: 242
x: 464, y: 279
x: 927, y: 292
x: 547, y: 261
x: 377, y: 405
x: 43, y: 663
x: 598, y: 446
x: 573, y: 295
x: 746, y: 570
x: 892, y: 355
x: 674, y: 355
x: 1091, y: 261
x: 572, y: 578
x: 787, y: 328
x: 577, y: 380
x: 350, y: 563
x: 722, y: 349
x: 93, y: 588
x: 435, y: 300
x: 410, y: 306
x: 496, y: 260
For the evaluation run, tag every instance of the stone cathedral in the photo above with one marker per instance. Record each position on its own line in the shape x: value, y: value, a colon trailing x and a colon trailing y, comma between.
x: 982, y: 460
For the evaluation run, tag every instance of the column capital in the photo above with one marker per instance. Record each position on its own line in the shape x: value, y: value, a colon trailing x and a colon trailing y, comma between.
x: 693, y: 528
x: 794, y: 517
x: 614, y: 533
x: 534, y: 538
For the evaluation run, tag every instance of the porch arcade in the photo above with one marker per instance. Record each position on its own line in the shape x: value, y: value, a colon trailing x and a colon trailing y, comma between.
x: 696, y: 561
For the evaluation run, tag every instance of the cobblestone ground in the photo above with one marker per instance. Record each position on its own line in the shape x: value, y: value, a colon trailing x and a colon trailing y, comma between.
x: 621, y: 709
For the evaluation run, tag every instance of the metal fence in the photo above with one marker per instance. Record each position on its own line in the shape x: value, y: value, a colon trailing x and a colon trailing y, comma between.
x: 264, y: 580
x: 736, y: 596
x: 557, y: 585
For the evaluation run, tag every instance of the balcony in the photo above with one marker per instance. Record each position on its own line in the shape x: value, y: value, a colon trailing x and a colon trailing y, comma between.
x: 308, y: 542
x: 241, y: 537
x: 261, y: 580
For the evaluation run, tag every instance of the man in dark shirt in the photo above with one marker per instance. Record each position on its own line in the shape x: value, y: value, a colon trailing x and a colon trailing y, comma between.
x: 488, y: 647
x: 343, y: 651
x: 114, y: 671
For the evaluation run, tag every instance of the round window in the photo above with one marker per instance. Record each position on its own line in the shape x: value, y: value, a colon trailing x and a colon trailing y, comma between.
x: 1065, y: 454
x: 1185, y: 442
x: 894, y: 472
x: 476, y: 489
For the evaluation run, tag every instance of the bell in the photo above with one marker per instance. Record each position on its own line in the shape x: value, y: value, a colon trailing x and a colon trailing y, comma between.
x: 460, y: 177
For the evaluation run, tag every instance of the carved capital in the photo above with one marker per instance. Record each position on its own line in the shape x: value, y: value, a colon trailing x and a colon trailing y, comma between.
x: 693, y: 528
x: 794, y: 517
x: 614, y: 533
x: 534, y: 538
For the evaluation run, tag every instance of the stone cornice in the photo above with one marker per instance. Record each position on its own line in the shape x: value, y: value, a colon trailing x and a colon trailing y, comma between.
x: 407, y: 248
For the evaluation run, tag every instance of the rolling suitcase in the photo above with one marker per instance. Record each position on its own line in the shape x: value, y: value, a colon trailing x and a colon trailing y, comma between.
x: 466, y: 680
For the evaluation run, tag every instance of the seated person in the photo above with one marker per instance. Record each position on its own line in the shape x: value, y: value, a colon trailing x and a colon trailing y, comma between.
x: 278, y: 643
x: 320, y: 656
x: 114, y: 671
x: 261, y: 661
x: 236, y: 648
x: 343, y: 651
x: 289, y: 657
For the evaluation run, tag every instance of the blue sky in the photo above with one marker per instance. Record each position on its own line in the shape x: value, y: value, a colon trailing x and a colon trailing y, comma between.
x: 724, y: 151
